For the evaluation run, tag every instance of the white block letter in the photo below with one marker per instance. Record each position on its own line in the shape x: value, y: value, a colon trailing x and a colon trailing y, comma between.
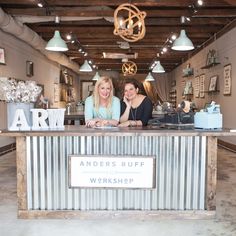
x: 19, y: 121
x: 56, y: 118
x: 39, y: 117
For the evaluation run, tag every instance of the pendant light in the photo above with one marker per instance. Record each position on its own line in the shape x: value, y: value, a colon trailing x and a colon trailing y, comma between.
x: 182, y: 43
x: 96, y: 76
x: 149, y: 77
x: 86, y: 67
x: 129, y: 22
x: 56, y: 43
x: 158, y: 68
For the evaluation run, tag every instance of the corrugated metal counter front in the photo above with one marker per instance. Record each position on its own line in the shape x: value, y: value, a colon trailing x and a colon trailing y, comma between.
x: 185, y: 172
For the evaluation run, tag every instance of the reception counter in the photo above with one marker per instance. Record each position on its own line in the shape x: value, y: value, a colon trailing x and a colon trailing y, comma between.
x: 184, y: 172
x: 77, y: 117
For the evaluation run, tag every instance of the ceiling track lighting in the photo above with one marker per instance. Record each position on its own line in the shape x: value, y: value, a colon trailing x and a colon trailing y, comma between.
x: 193, y: 8
x: 200, y: 2
x: 73, y: 39
x: 57, y: 19
x: 41, y: 3
x: 184, y: 19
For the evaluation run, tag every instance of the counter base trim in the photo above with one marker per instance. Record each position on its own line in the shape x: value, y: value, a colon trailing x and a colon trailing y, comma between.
x: 108, y: 215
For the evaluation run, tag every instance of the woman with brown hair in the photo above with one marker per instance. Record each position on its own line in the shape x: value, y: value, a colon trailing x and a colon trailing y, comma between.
x: 102, y: 108
x: 136, y: 109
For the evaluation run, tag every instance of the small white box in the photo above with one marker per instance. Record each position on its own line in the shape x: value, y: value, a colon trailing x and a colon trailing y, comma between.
x: 205, y: 120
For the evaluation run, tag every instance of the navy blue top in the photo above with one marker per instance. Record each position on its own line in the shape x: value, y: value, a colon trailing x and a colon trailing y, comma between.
x: 143, y: 112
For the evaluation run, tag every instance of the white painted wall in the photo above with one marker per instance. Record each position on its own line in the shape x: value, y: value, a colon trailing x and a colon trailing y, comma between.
x: 226, y: 49
x: 46, y: 72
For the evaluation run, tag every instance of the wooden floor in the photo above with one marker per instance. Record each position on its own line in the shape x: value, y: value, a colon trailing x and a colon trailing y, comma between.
x: 223, y: 225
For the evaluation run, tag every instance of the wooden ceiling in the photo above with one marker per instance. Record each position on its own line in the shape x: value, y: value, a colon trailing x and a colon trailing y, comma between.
x: 90, y: 22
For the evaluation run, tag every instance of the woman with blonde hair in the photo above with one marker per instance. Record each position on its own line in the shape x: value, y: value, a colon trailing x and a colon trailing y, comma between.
x: 102, y: 108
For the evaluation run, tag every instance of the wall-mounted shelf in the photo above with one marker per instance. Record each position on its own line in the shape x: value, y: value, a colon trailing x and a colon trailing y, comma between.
x: 173, y: 91
x: 210, y: 92
x: 187, y: 75
x: 210, y: 65
x: 188, y: 93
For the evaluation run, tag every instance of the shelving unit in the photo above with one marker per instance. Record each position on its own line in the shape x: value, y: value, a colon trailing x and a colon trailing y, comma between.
x: 66, y: 87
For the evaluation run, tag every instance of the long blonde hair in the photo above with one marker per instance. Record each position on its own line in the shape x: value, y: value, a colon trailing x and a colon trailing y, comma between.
x: 96, y: 98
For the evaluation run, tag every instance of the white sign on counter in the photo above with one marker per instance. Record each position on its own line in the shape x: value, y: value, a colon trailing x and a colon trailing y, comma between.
x: 111, y: 171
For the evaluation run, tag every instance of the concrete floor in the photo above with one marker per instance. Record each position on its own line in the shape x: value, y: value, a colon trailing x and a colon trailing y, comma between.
x: 223, y: 225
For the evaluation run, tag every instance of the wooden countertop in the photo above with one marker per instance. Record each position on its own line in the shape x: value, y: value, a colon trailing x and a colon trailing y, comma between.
x: 80, y: 114
x: 74, y: 115
x: 73, y: 130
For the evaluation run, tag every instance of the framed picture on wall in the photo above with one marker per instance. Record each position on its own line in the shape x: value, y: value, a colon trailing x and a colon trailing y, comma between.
x: 86, y: 88
x: 212, y: 84
x: 227, y: 79
x: 29, y: 68
x: 202, y: 86
x: 196, y: 87
x: 2, y: 56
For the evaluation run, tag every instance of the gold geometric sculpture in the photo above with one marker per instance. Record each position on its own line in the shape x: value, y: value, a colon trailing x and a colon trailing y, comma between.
x: 129, y: 68
x: 129, y: 22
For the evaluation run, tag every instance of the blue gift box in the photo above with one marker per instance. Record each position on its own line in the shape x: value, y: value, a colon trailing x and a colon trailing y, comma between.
x: 205, y: 120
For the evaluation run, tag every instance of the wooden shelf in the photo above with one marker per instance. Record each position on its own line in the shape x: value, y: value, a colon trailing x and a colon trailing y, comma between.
x: 216, y: 91
x: 189, y: 75
x: 210, y: 65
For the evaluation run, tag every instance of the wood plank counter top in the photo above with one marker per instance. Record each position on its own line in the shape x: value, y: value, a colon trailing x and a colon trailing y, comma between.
x: 71, y: 130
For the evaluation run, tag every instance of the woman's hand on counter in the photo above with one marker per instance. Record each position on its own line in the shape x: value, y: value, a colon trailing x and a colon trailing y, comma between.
x: 91, y: 123
x: 124, y: 124
x: 100, y: 123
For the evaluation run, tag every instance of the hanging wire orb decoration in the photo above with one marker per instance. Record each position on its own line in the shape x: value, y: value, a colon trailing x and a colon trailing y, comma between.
x: 129, y: 22
x: 129, y: 68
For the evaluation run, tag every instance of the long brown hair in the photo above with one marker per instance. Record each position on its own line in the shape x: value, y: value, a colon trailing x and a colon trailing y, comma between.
x: 96, y: 98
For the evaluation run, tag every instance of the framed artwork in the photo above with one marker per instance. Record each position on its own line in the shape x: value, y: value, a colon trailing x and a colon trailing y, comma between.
x: 57, y: 92
x: 173, y: 83
x: 196, y: 87
x: 202, y: 86
x: 2, y: 56
x: 227, y: 79
x: 71, y: 80
x: 91, y: 88
x: 212, y: 84
x: 211, y: 57
x: 29, y: 68
x: 86, y: 88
